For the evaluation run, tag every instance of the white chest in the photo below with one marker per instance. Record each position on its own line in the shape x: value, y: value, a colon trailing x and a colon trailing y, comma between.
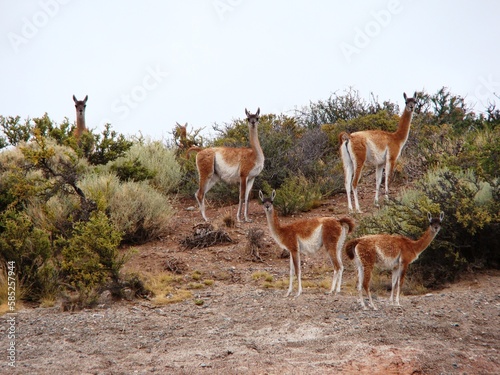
x: 374, y: 155
x: 229, y: 173
x: 257, y: 169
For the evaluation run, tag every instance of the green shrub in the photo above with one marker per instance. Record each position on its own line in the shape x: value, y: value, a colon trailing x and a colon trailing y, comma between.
x: 136, y: 209
x: 34, y: 174
x: 341, y: 107
x: 468, y: 235
x: 140, y: 212
x: 472, y: 207
x: 30, y: 249
x: 131, y: 170
x: 90, y: 257
x: 102, y: 148
x: 15, y: 132
x: 100, y: 187
x: 17, y: 184
x: 297, y: 194
x: 56, y: 214
x: 152, y: 161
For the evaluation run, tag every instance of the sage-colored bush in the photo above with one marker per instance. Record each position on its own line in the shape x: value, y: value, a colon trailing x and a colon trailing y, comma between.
x: 136, y: 209
x: 151, y: 161
x: 468, y: 237
x: 140, y: 212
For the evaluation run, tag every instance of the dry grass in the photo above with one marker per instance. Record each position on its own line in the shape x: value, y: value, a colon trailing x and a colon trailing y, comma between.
x: 166, y: 288
x: 169, y: 288
x: 196, y: 275
x: 262, y: 275
x: 49, y: 301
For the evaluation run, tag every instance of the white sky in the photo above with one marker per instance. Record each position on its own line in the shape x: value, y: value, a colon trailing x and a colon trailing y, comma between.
x: 146, y: 65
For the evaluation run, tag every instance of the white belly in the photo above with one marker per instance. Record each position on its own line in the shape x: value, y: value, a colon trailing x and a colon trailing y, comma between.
x: 227, y: 172
x: 385, y: 261
x: 313, y: 243
x: 375, y: 156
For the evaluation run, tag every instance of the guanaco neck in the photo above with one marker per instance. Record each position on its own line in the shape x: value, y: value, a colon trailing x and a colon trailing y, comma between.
x: 423, y: 242
x: 255, y: 143
x: 273, y: 222
x: 80, y: 122
x: 404, y: 125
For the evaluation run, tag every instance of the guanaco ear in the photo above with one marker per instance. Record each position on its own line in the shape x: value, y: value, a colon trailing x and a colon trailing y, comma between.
x: 85, y: 100
x: 404, y: 96
x: 261, y: 196
x: 273, y: 195
x: 74, y: 99
x: 441, y: 216
x: 246, y: 112
x: 415, y: 95
x: 258, y: 112
x: 429, y: 216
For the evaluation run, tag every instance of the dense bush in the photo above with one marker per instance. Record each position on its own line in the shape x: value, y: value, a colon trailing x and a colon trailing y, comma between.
x: 63, y: 216
x: 471, y: 221
x: 140, y: 212
x: 344, y: 107
x: 296, y: 195
x: 90, y: 256
x: 30, y: 248
x: 150, y: 160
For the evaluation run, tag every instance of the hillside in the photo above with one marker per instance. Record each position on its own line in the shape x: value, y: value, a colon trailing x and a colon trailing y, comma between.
x: 236, y: 325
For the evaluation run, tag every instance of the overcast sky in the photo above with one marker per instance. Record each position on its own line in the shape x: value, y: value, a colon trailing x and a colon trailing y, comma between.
x: 146, y: 65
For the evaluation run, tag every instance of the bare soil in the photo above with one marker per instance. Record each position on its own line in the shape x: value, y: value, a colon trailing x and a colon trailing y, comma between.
x: 238, y: 326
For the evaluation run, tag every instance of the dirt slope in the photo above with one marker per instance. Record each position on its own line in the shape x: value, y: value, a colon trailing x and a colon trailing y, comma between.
x: 244, y: 328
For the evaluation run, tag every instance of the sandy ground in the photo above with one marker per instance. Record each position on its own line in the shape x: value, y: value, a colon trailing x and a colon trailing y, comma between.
x: 238, y: 326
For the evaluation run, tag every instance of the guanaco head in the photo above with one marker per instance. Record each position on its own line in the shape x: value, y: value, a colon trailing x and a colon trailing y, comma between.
x: 411, y: 103
x: 267, y: 202
x: 80, y: 105
x: 180, y: 131
x: 253, y: 119
x: 435, y: 222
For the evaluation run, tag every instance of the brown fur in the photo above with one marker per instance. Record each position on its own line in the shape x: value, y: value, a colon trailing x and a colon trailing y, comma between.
x: 390, y: 251
x: 379, y: 148
x: 300, y: 236
x: 231, y: 165
x: 182, y: 141
x: 80, y: 106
